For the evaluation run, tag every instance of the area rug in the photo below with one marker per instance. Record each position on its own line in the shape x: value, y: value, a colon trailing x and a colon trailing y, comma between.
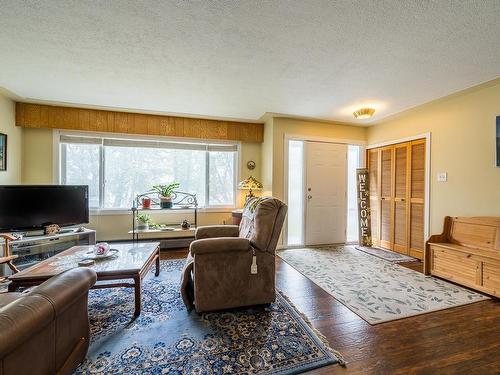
x: 166, y: 339
x: 390, y: 256
x: 376, y: 290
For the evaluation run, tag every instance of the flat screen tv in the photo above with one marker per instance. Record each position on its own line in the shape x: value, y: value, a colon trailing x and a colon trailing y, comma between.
x: 30, y: 207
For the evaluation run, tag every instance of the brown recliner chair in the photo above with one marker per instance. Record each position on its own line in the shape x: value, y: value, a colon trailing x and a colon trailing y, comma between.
x: 46, y: 331
x: 218, y: 272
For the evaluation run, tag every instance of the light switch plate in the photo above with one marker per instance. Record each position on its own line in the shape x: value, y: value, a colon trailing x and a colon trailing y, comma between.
x: 442, y: 176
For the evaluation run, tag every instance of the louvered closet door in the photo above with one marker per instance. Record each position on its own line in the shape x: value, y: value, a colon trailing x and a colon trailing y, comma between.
x: 386, y: 197
x: 373, y: 167
x: 417, y: 199
x: 401, y: 177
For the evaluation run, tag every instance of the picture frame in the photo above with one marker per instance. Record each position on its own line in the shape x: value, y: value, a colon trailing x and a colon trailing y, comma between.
x: 3, y: 152
x: 498, y: 141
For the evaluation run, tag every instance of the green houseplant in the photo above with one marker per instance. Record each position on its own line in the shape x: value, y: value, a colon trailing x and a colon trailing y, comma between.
x: 143, y: 221
x: 165, y: 193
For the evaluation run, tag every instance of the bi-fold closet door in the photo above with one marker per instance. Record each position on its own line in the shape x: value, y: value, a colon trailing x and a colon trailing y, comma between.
x: 397, y: 180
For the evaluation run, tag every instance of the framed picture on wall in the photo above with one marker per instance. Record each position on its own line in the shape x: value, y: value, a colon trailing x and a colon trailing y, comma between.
x: 498, y: 141
x: 3, y: 152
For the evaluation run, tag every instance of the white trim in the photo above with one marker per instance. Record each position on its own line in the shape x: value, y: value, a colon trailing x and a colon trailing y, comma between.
x: 127, y: 211
x: 145, y: 137
x: 299, y: 137
x: 56, y: 170
x: 401, y: 140
x: 427, y: 208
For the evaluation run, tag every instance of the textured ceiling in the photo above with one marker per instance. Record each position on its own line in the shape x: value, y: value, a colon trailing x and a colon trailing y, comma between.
x: 240, y: 59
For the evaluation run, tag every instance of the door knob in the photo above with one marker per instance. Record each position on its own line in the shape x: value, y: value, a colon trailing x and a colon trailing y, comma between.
x: 309, y: 196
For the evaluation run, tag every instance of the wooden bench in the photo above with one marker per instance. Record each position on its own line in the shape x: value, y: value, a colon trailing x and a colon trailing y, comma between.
x: 467, y: 253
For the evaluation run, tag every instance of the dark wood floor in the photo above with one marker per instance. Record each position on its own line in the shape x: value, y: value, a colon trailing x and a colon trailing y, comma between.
x: 461, y: 340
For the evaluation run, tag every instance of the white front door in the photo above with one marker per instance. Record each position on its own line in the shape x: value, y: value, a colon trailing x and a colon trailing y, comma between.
x: 326, y: 184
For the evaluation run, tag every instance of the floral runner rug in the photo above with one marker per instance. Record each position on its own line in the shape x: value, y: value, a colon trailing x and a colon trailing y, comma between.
x: 390, y: 256
x: 376, y: 290
x: 167, y: 339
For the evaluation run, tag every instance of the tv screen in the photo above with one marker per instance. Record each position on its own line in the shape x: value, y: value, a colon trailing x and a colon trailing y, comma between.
x: 25, y: 207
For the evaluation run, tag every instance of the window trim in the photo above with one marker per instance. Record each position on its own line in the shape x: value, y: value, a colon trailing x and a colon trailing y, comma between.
x: 58, y: 166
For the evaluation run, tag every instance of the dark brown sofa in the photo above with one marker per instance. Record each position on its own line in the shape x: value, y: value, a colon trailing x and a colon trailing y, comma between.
x: 46, y: 330
x: 218, y: 272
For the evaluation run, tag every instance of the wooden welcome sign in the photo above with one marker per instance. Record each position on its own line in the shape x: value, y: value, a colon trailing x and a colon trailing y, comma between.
x: 364, y: 217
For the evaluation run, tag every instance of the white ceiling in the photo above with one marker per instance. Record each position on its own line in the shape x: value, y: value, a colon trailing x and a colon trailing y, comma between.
x: 240, y: 59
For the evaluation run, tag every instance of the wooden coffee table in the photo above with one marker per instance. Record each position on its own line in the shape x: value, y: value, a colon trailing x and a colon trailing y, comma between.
x: 133, y: 261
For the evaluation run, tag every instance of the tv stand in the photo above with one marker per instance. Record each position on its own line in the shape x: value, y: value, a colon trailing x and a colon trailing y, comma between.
x: 33, y: 247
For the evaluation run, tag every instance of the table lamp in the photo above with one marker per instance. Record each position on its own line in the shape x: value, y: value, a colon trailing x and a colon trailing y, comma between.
x: 250, y: 183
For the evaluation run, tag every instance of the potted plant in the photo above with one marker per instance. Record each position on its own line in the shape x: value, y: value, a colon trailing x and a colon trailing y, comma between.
x: 143, y: 221
x: 165, y: 193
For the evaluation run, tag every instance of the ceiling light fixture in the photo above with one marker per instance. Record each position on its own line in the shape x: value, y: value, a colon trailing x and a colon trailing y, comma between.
x: 363, y: 113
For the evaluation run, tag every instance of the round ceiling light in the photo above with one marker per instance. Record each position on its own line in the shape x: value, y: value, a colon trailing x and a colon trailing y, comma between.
x: 363, y: 113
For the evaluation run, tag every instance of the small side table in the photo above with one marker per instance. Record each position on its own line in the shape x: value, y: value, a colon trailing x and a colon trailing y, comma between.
x: 236, y: 216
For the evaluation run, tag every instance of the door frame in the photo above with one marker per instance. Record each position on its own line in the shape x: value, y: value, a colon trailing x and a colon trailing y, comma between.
x: 306, y: 138
x: 427, y: 137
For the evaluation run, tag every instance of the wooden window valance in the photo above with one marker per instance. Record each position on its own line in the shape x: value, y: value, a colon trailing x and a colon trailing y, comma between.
x: 30, y: 115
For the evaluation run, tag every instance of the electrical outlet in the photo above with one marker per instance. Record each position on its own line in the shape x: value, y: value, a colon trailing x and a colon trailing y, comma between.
x: 442, y: 176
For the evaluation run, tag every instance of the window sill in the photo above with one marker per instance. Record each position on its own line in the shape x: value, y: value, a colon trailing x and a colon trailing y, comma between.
x: 125, y: 211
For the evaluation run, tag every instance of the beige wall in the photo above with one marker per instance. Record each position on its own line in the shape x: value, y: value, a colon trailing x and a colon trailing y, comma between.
x: 14, y: 139
x: 38, y: 157
x: 287, y: 126
x: 462, y: 130
x: 38, y: 168
x: 267, y: 157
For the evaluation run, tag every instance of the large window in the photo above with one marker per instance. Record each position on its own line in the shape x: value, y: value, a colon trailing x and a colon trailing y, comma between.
x: 117, y: 169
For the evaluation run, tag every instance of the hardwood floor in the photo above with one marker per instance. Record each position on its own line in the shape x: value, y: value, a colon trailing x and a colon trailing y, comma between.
x: 461, y: 340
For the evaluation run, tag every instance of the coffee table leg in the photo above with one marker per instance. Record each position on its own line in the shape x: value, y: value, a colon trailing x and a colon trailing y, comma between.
x: 137, y: 289
x: 157, y: 272
x: 12, y: 287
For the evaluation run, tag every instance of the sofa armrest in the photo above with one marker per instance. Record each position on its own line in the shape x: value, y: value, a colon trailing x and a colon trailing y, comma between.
x: 32, y: 312
x: 63, y: 289
x: 213, y: 231
x: 218, y: 245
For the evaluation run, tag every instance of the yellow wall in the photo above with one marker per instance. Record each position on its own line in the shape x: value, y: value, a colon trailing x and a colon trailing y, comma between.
x: 283, y: 126
x: 38, y: 157
x: 14, y: 138
x: 267, y: 157
x: 38, y: 168
x: 462, y: 130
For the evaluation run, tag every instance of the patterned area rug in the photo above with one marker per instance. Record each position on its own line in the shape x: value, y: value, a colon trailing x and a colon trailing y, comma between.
x: 390, y: 256
x: 376, y: 290
x: 166, y: 339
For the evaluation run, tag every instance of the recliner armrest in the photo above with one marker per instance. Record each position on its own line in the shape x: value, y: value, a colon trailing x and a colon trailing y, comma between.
x: 218, y: 245
x: 213, y: 231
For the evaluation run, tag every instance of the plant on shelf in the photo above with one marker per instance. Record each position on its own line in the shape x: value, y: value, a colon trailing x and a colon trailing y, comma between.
x: 165, y: 193
x: 143, y: 221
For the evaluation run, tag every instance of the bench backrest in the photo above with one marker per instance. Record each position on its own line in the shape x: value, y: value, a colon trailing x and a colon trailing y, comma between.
x: 480, y: 231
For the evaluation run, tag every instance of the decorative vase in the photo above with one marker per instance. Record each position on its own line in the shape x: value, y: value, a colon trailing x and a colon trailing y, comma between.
x: 146, y: 203
x: 165, y: 202
x: 142, y: 226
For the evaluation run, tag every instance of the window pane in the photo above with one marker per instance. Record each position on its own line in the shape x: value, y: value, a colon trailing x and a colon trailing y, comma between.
x: 134, y: 170
x: 82, y: 168
x: 221, y: 175
x: 295, y: 193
